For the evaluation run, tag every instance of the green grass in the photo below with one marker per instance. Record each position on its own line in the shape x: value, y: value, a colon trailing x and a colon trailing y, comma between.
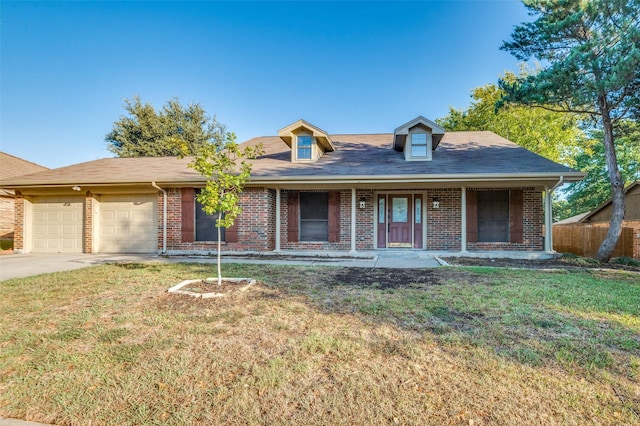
x: 322, y: 345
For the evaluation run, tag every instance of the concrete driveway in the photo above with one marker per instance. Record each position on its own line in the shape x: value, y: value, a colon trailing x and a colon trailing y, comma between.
x: 25, y: 265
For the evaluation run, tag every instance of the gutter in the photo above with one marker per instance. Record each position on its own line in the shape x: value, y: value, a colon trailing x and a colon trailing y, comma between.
x: 164, y: 217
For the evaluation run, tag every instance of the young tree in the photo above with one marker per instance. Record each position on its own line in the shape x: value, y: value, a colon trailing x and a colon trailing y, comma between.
x: 145, y: 132
x: 592, y: 49
x: 226, y: 168
x: 554, y: 136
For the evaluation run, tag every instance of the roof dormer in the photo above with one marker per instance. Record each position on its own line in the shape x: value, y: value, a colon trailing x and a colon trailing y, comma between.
x: 417, y: 139
x: 307, y: 142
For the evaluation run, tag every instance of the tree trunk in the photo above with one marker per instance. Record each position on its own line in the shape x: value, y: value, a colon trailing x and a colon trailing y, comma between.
x: 617, y: 186
x: 219, y: 247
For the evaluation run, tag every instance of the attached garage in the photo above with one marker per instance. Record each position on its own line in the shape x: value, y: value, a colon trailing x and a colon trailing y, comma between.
x: 58, y: 224
x: 128, y: 223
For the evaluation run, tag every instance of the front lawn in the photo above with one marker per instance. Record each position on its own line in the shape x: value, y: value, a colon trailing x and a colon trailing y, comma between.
x: 322, y: 345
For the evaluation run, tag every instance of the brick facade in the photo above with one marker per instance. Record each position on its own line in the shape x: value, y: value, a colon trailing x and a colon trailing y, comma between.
x: 7, y: 216
x: 18, y: 235
x: 256, y: 223
x: 532, y: 221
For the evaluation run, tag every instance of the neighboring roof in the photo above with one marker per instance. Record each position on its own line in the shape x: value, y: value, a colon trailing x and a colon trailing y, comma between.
x: 11, y: 166
x: 604, y: 205
x: 571, y: 220
x: 358, y: 158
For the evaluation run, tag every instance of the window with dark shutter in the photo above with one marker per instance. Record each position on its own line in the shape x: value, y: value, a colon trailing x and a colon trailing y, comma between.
x: 206, y: 229
x: 292, y: 214
x: 314, y: 216
x: 493, y: 216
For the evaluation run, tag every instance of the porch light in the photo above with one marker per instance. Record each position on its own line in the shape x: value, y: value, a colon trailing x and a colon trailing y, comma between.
x: 363, y: 202
x: 75, y: 188
x: 435, y: 203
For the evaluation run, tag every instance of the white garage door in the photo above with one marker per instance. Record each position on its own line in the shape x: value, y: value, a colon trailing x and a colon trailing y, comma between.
x: 58, y: 224
x: 128, y: 224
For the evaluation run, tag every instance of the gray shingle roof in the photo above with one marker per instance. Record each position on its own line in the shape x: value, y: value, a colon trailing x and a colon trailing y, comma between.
x: 459, y: 153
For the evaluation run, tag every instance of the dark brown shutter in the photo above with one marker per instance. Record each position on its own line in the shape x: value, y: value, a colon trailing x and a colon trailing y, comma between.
x: 515, y: 216
x: 472, y: 216
x: 231, y: 233
x: 188, y: 215
x: 334, y: 217
x: 293, y: 216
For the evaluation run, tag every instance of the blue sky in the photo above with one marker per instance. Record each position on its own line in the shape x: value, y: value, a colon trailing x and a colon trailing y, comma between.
x: 347, y: 67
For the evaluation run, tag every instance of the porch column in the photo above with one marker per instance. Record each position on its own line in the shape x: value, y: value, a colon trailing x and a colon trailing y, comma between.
x: 353, y: 220
x: 277, y: 249
x: 463, y: 221
x: 548, y: 222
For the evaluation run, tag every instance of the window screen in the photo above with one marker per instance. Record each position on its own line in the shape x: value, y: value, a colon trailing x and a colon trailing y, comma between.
x: 304, y: 147
x: 419, y: 145
x: 493, y: 216
x: 206, y: 229
x: 314, y: 216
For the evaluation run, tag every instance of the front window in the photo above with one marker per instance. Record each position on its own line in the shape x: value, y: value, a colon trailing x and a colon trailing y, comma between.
x: 493, y: 216
x: 304, y: 147
x: 419, y: 145
x: 206, y: 229
x: 314, y: 216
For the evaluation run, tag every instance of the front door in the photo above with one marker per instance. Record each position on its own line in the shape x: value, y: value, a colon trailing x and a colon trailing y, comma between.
x: 400, y: 221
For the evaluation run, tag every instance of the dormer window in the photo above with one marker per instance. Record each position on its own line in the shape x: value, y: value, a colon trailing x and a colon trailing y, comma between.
x: 417, y: 139
x: 307, y: 142
x: 419, y: 145
x: 305, y: 146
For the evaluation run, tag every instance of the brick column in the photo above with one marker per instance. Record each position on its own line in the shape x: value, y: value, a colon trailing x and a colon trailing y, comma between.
x: 18, y: 234
x: 88, y: 223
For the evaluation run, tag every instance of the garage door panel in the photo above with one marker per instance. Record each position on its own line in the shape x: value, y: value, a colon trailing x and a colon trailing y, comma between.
x: 128, y: 224
x: 57, y: 224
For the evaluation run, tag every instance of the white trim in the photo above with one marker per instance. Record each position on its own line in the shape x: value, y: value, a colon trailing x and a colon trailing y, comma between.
x: 278, y: 221
x: 463, y: 220
x: 164, y: 217
x: 353, y: 220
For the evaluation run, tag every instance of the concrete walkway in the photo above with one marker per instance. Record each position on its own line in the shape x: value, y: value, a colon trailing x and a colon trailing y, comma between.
x: 24, y: 265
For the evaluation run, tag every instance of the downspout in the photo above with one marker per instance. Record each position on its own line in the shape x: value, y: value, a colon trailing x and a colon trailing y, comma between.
x: 549, y: 216
x: 164, y: 217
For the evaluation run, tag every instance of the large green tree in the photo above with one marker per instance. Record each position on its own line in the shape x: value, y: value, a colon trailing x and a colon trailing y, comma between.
x: 592, y: 52
x: 594, y: 189
x: 171, y: 131
x: 549, y: 134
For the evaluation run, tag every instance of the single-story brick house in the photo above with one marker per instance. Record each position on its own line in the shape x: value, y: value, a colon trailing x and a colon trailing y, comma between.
x: 418, y: 188
x: 11, y: 167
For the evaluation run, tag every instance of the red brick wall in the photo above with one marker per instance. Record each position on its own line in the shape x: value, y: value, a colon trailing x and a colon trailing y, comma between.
x: 532, y: 221
x: 364, y: 224
x: 7, y: 217
x: 18, y: 235
x: 256, y: 223
x: 88, y: 223
x: 443, y: 223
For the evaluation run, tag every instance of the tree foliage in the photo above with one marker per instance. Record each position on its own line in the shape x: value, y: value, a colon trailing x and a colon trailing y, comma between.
x: 227, y: 169
x: 592, y: 49
x: 594, y: 189
x: 549, y: 134
x: 145, y: 132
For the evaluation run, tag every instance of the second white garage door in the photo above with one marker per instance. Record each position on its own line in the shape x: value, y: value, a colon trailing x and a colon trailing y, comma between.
x: 128, y: 224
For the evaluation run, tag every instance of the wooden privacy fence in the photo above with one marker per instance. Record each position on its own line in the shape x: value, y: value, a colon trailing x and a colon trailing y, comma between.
x: 584, y: 240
